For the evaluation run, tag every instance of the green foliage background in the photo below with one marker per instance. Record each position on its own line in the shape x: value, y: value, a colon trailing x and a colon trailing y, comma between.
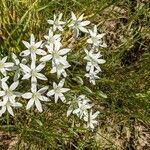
x: 125, y: 77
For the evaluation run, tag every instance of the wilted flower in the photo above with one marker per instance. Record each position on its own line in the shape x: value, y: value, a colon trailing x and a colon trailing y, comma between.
x: 56, y: 22
x: 77, y: 24
x: 90, y: 119
x: 58, y: 91
x: 5, y: 66
x: 33, y: 48
x: 96, y: 39
x: 35, y: 98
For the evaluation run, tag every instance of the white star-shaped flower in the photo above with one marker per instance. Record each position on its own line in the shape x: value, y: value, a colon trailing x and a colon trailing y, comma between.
x: 90, y: 119
x: 92, y: 75
x: 8, y: 107
x: 83, y: 106
x: 52, y: 39
x: 93, y: 60
x: 36, y: 97
x: 33, y: 48
x: 8, y: 93
x: 77, y: 24
x: 56, y: 22
x: 5, y: 66
x: 60, y: 68
x: 33, y: 72
x: 58, y: 91
x: 96, y: 39
x: 56, y: 54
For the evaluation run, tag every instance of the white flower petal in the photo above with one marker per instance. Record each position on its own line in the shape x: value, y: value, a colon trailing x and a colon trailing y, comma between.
x: 40, y: 67
x: 2, y: 110
x: 95, y: 29
x: 27, y: 95
x: 40, y: 52
x: 12, y: 99
x: 32, y: 39
x: 15, y: 59
x: 25, y: 68
x: 60, y: 16
x: 4, y: 86
x: 101, y: 61
x: 14, y: 85
x: 50, y: 93
x: 38, y: 105
x: 38, y: 44
x: 26, y: 76
x: 44, y: 98
x: 83, y: 29
x: 85, y: 23
x: 3, y: 71
x: 33, y: 64
x: 10, y: 110
x: 26, y: 44
x: 33, y: 56
x: 63, y: 90
x: 34, y: 87
x: 4, y: 59
x: 64, y: 51
x: 62, y: 97
x: 56, y: 98
x: 30, y: 104
x: 41, y: 76
x: 73, y: 16
x: 50, y: 21
x: 17, y: 104
x: 5, y: 100
x: 53, y: 70
x: 46, y: 58
x: 25, y: 53
x: 33, y: 80
x: 7, y: 65
x: 43, y: 90
x: 61, y: 83
x: 81, y: 17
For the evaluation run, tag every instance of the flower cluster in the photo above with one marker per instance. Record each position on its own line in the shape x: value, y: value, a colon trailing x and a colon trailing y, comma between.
x: 8, y: 96
x: 51, y: 50
x: 93, y: 56
x: 80, y: 106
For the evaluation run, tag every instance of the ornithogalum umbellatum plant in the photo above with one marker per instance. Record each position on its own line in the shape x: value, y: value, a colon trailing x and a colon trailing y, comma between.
x: 37, y: 54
